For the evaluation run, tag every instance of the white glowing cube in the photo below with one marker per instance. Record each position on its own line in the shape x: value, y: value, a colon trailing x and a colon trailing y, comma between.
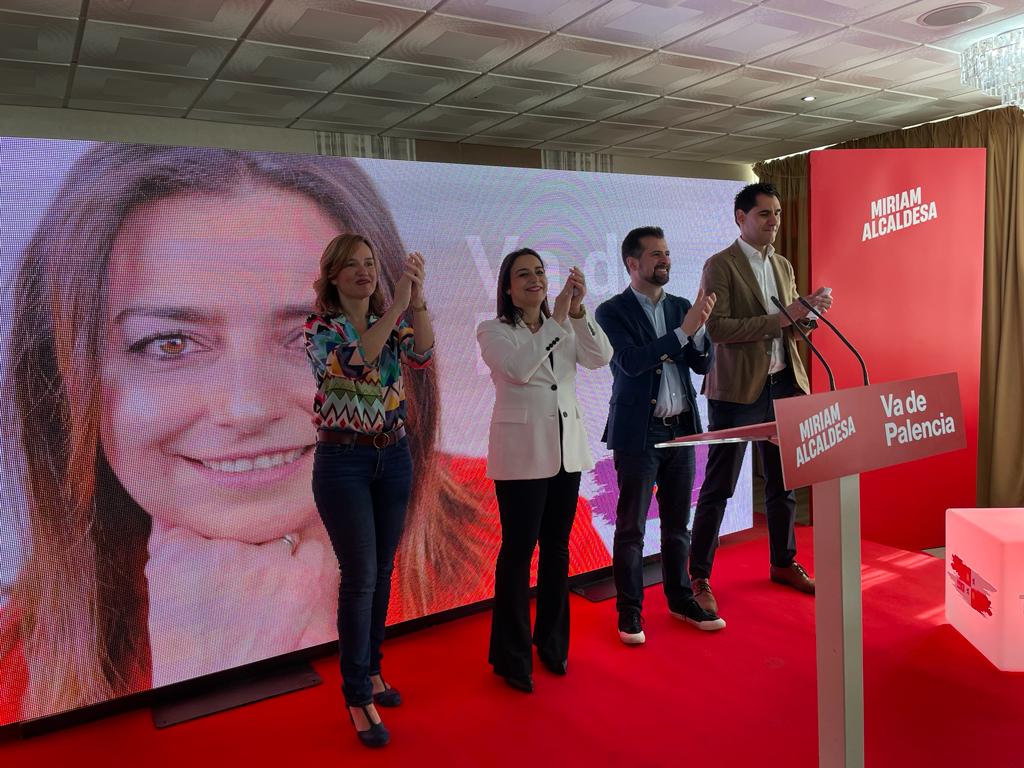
x: 985, y: 582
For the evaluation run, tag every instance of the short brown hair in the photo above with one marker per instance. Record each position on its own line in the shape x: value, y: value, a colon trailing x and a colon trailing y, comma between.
x: 333, y: 259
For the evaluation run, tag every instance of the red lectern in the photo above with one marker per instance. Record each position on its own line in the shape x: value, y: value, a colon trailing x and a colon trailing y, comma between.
x: 826, y: 441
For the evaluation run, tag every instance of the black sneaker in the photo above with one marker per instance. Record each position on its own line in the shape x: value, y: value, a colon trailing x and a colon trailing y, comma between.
x: 691, y: 612
x: 631, y: 628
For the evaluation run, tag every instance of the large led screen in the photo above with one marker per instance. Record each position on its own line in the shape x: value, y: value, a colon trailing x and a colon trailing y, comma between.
x: 157, y: 401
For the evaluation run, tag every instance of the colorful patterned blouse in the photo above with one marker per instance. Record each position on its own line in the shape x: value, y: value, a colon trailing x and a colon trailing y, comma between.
x: 353, y: 394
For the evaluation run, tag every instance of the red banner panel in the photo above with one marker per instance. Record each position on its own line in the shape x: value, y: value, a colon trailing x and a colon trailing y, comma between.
x: 899, y: 236
x: 834, y: 434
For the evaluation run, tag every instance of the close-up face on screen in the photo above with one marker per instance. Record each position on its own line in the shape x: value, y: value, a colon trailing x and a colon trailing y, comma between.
x: 157, y: 402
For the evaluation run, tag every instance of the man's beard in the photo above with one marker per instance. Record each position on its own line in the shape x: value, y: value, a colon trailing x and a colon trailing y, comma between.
x: 656, y: 278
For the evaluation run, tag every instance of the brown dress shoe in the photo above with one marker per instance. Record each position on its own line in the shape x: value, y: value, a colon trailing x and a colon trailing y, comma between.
x: 703, y: 595
x: 794, y: 576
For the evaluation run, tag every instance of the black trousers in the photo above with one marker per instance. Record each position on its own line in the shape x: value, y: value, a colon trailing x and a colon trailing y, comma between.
x: 532, y: 511
x: 723, y: 470
x: 671, y: 469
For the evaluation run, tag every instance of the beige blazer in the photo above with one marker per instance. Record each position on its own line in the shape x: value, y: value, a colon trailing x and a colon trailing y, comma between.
x: 529, y: 396
x: 742, y: 327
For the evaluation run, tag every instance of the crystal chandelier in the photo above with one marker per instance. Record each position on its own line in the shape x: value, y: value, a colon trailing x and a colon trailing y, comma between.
x: 996, y: 66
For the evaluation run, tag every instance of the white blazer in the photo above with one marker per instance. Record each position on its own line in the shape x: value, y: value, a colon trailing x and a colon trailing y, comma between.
x: 529, y: 396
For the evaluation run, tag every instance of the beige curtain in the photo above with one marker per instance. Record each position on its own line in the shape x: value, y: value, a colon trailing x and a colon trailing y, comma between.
x: 1001, y: 417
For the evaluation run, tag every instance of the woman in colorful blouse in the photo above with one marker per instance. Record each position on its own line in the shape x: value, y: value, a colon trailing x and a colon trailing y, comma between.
x: 362, y: 470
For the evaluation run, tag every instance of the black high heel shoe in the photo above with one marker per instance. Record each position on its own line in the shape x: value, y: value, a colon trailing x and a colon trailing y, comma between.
x: 522, y: 683
x: 389, y: 697
x: 554, y: 667
x: 374, y: 736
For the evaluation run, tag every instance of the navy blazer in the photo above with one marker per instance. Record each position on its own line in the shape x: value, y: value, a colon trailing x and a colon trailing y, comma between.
x: 637, y: 363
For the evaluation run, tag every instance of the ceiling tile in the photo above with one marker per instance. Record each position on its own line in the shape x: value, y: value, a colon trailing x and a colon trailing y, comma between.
x: 736, y: 120
x: 662, y: 73
x: 753, y: 34
x: 405, y: 82
x: 547, y: 15
x: 499, y: 141
x: 564, y: 59
x: 118, y: 46
x: 943, y: 108
x: 27, y: 37
x: 501, y: 92
x: 782, y: 148
x: 825, y: 94
x: 233, y: 117
x: 247, y: 98
x: 369, y: 115
x: 69, y: 8
x: 651, y: 24
x: 110, y: 89
x: 289, y: 67
x: 836, y: 52
x: 455, y: 120
x: 798, y: 127
x: 961, y: 40
x: 607, y: 133
x: 881, y: 106
x: 33, y: 83
x: 903, y: 22
x: 686, y: 155
x: 670, y: 139
x: 445, y: 41
x: 836, y: 11
x: 592, y: 103
x: 223, y: 18
x: 908, y: 66
x: 535, y: 127
x: 416, y: 5
x: 669, y: 111
x: 410, y: 133
x: 938, y: 86
x: 742, y: 85
x: 627, y: 151
x: 729, y: 145
x: 848, y: 132
x: 570, y: 146
x: 340, y: 26
x: 333, y: 126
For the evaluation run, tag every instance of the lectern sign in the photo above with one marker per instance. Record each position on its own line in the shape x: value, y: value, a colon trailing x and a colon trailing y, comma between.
x: 832, y: 434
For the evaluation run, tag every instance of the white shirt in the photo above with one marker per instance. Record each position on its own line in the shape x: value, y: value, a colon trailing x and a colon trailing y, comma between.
x: 765, y: 276
x: 671, y: 395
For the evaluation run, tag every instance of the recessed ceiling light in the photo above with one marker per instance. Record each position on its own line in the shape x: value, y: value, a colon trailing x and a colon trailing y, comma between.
x: 807, y: 98
x: 951, y: 14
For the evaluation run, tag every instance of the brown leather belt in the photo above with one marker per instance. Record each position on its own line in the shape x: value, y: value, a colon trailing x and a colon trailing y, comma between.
x: 379, y: 440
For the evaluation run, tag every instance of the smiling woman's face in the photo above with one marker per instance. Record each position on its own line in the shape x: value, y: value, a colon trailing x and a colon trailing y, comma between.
x: 207, y: 393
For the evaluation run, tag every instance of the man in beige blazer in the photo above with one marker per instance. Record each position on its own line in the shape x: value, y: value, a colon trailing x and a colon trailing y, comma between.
x: 756, y: 361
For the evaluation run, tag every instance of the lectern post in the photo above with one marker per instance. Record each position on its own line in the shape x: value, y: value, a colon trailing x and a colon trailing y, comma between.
x: 838, y: 623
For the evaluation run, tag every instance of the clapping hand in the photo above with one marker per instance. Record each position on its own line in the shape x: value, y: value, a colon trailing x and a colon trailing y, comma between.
x: 579, y: 289
x: 699, y: 312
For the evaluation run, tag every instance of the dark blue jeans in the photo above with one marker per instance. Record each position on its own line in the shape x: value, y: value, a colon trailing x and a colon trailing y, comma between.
x: 362, y: 494
x: 672, y: 470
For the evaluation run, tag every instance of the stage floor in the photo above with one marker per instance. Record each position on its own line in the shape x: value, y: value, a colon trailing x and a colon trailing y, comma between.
x: 744, y: 696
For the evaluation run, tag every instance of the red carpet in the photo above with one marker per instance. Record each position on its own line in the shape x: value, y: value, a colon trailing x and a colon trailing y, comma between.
x: 741, y: 697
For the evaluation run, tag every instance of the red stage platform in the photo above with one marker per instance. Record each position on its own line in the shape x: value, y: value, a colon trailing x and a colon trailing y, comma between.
x: 741, y: 697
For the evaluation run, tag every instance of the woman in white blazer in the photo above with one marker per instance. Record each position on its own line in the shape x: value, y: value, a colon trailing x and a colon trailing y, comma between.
x: 536, y: 451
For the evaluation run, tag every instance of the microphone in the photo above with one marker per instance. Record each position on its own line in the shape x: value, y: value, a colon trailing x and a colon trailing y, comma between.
x: 863, y: 368
x: 814, y: 349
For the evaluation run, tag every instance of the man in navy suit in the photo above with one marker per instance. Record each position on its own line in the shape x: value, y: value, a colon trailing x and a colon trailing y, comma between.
x: 657, y: 339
